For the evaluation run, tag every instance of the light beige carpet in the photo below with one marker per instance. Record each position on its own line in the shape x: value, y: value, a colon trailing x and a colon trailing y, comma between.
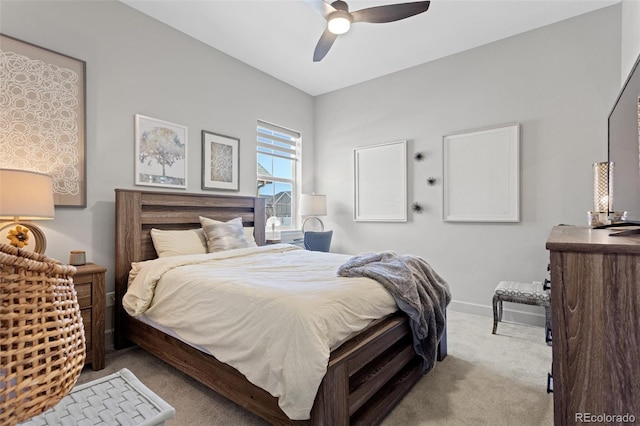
x: 486, y: 380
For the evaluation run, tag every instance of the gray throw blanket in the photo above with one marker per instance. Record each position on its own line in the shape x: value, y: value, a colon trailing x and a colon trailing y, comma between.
x: 417, y: 289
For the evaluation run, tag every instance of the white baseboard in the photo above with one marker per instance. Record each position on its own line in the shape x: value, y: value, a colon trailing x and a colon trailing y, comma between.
x: 508, y: 314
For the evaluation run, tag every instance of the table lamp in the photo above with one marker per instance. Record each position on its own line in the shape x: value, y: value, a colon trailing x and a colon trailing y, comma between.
x: 313, y: 205
x: 25, y: 196
x: 273, y: 222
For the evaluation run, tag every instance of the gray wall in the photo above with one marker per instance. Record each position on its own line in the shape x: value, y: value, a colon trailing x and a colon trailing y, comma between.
x: 558, y: 82
x: 630, y: 36
x: 136, y: 65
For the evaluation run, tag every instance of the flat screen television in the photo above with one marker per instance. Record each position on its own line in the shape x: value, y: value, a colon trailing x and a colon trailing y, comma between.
x: 624, y: 148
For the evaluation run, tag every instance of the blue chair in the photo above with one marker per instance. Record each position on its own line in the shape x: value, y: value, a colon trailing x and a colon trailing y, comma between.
x: 317, y: 241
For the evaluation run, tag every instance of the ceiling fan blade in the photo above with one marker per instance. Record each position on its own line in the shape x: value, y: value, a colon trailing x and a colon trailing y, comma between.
x: 390, y: 13
x: 322, y: 7
x: 324, y: 44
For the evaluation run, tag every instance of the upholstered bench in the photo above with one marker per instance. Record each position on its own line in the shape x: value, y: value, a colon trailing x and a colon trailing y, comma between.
x: 526, y: 293
x: 117, y: 399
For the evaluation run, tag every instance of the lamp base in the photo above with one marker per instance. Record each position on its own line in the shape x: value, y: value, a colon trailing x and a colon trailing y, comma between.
x: 23, y: 235
x: 312, y: 217
x: 626, y: 232
x: 617, y: 224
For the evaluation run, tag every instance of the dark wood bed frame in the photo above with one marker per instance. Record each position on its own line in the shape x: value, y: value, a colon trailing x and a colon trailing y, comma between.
x: 366, y: 376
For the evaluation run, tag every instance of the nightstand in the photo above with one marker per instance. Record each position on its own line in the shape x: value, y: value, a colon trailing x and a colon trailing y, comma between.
x: 89, y: 284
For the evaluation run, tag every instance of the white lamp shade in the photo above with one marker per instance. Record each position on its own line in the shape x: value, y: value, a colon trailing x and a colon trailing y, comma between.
x: 25, y: 195
x: 313, y: 205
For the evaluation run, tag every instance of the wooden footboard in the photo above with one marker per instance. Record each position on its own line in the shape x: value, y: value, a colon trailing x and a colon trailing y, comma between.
x: 369, y: 375
x: 366, y: 377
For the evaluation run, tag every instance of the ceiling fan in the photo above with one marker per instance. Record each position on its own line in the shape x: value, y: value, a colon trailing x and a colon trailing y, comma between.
x: 339, y: 19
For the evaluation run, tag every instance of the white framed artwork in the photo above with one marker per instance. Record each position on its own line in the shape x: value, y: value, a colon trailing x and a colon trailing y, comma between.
x: 220, y: 162
x: 43, y: 117
x: 482, y: 175
x: 380, y: 175
x: 161, y: 153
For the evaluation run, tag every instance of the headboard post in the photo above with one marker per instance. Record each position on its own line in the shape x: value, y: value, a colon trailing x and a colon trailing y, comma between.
x: 260, y: 222
x: 128, y: 227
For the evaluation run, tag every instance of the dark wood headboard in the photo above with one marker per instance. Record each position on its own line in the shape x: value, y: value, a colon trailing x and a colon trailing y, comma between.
x: 139, y: 211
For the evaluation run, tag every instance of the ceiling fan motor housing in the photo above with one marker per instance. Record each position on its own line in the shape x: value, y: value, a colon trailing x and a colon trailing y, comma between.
x: 340, y: 5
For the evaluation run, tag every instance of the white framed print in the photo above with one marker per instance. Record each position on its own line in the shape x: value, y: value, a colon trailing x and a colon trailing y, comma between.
x: 380, y: 175
x: 482, y: 175
x: 161, y: 153
x: 220, y: 162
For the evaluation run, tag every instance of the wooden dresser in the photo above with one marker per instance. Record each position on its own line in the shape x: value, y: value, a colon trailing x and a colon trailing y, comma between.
x: 89, y: 284
x: 595, y: 310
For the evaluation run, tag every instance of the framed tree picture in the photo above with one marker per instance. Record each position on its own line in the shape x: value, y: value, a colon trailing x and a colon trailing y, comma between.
x: 42, y: 111
x: 220, y: 162
x: 161, y: 153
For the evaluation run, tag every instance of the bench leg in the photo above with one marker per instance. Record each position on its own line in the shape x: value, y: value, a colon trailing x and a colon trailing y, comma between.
x: 496, y: 316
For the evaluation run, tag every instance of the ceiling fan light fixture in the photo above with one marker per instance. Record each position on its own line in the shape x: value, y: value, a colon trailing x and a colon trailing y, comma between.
x: 339, y: 22
x: 339, y: 19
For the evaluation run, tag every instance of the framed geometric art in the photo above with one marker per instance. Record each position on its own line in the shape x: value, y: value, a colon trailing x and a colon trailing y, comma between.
x: 161, y: 153
x: 220, y: 162
x: 42, y: 112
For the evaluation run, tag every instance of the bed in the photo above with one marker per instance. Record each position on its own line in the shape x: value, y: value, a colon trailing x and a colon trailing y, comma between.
x: 366, y: 375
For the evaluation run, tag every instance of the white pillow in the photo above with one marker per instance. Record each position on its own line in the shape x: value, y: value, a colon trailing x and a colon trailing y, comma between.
x: 224, y: 235
x: 248, y: 232
x: 176, y: 243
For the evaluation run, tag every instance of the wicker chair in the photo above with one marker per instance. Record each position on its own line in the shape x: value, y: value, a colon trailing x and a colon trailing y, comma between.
x: 42, y: 345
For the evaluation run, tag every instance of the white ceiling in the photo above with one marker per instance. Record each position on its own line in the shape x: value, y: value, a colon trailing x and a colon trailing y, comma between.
x: 278, y: 36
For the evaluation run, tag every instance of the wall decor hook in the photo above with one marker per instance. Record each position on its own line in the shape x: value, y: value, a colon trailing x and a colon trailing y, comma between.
x: 431, y: 180
x: 418, y: 156
x: 417, y: 208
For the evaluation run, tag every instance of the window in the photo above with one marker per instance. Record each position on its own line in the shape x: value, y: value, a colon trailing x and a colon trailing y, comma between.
x: 278, y: 169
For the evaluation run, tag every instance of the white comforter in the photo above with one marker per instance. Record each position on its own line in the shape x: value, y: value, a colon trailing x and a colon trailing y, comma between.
x: 272, y: 312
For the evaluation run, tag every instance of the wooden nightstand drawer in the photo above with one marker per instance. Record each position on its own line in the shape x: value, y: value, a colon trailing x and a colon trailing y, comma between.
x: 86, y: 320
x: 84, y: 294
x: 89, y: 285
x: 81, y: 277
